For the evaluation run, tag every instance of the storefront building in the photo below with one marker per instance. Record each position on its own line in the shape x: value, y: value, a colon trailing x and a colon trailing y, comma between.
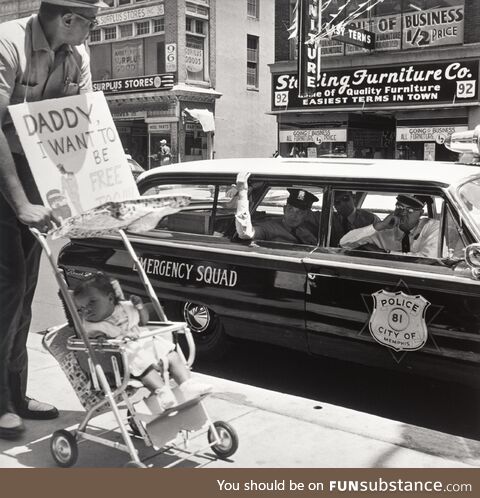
x: 152, y: 60
x: 193, y: 73
x: 157, y: 63
x: 400, y: 99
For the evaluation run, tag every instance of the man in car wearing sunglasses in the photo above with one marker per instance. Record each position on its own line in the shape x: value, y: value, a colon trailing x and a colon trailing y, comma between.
x: 403, y: 231
x: 41, y: 57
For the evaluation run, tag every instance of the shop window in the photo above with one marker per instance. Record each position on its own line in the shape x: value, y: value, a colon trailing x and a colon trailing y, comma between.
x: 195, y: 142
x: 252, y: 8
x: 126, y: 30
x: 128, y: 59
x: 158, y: 25
x: 110, y: 33
x: 252, y: 61
x: 142, y: 28
x: 154, y: 54
x: 101, y: 61
x: 195, y: 58
x: 95, y: 35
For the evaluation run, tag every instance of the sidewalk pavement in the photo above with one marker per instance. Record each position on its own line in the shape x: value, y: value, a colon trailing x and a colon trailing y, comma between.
x: 274, y: 429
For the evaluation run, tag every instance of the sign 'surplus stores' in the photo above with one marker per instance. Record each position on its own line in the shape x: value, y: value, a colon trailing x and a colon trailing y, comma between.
x: 139, y: 84
x: 434, y: 83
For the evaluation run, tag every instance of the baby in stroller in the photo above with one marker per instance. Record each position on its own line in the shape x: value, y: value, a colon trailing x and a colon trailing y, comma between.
x: 106, y: 315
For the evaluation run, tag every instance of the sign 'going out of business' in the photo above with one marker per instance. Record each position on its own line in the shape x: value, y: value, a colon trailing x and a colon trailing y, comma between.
x: 435, y: 83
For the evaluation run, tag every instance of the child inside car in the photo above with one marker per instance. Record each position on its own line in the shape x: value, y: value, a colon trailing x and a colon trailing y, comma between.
x: 106, y: 315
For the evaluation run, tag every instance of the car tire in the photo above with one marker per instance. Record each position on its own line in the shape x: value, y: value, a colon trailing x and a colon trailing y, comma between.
x: 211, y: 341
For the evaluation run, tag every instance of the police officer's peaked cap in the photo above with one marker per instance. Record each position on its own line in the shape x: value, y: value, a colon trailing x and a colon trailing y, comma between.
x: 301, y: 198
x: 78, y: 3
x: 411, y: 201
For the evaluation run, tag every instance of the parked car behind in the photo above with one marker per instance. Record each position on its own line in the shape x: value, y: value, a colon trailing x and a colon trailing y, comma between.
x: 388, y: 310
x: 135, y: 168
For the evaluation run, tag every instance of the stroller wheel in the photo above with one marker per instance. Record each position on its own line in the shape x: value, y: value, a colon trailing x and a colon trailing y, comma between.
x: 64, y: 448
x: 228, y: 444
x: 135, y: 465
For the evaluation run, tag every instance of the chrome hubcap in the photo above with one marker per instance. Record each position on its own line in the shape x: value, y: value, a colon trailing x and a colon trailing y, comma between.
x: 197, y: 317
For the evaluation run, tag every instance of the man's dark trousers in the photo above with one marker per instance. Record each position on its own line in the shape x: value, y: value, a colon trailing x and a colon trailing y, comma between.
x: 19, y: 264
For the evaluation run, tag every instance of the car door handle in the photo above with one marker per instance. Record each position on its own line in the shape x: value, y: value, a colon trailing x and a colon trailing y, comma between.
x: 325, y: 273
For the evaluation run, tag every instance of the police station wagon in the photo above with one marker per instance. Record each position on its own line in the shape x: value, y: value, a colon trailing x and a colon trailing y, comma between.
x: 403, y: 311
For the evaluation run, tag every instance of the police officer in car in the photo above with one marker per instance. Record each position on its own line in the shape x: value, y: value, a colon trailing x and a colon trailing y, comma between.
x: 290, y: 228
x: 403, y: 231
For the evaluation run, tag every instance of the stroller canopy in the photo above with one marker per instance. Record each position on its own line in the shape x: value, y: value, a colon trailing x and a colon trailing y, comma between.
x: 134, y: 215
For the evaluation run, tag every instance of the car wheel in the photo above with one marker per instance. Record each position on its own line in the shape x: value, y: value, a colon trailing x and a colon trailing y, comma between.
x: 208, y: 332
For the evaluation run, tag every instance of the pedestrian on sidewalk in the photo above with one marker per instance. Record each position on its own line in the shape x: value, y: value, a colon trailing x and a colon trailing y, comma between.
x: 41, y: 57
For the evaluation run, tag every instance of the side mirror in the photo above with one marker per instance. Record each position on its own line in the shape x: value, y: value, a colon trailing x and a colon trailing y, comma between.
x: 472, y: 257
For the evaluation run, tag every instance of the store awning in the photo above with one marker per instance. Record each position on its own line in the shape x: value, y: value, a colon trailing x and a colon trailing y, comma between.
x: 204, y: 117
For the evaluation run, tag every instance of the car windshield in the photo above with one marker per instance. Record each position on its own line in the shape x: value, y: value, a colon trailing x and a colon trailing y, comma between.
x: 470, y: 197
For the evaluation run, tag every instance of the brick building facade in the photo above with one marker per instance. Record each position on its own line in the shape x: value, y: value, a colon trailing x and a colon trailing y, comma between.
x: 167, y: 66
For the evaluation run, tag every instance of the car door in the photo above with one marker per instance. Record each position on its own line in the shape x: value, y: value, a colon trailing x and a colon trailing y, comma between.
x: 364, y: 306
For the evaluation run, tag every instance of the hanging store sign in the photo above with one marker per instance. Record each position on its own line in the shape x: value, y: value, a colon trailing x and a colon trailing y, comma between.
x: 131, y: 15
x: 131, y: 85
x: 435, y: 83
x: 316, y: 136
x: 352, y: 35
x: 387, y: 29
x: 309, y: 25
x: 433, y: 27
x: 436, y: 134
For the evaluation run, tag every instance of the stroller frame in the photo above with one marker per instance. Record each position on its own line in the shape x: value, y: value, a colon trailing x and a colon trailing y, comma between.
x: 222, y: 438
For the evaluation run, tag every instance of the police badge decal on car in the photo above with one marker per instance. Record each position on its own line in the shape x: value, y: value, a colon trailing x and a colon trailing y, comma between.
x: 398, y: 320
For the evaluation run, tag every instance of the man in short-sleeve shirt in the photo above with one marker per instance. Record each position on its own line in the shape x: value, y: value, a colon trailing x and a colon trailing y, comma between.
x: 41, y: 57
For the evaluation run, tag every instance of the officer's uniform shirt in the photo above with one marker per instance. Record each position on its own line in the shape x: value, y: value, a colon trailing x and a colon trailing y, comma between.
x: 30, y: 70
x: 277, y: 231
x: 424, y: 238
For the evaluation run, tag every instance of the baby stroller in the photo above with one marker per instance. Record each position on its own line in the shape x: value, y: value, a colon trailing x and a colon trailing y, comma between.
x: 107, y: 385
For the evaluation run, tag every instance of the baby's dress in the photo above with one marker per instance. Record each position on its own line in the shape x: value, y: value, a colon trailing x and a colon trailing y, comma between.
x: 141, y: 353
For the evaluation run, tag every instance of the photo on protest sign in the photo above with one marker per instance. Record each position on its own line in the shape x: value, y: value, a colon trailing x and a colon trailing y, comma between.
x: 74, y: 152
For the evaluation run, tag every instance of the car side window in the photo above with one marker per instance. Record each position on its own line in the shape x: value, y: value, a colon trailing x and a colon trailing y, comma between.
x: 270, y: 211
x: 453, y: 243
x: 405, y: 224
x: 211, y: 210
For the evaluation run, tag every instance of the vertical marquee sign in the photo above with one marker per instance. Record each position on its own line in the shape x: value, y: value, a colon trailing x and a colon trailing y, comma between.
x: 309, y: 23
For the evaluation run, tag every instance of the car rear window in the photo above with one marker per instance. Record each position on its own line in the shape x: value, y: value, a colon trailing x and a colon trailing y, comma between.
x: 211, y: 210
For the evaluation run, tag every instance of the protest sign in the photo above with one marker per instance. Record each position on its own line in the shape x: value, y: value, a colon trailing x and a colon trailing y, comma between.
x: 74, y: 152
